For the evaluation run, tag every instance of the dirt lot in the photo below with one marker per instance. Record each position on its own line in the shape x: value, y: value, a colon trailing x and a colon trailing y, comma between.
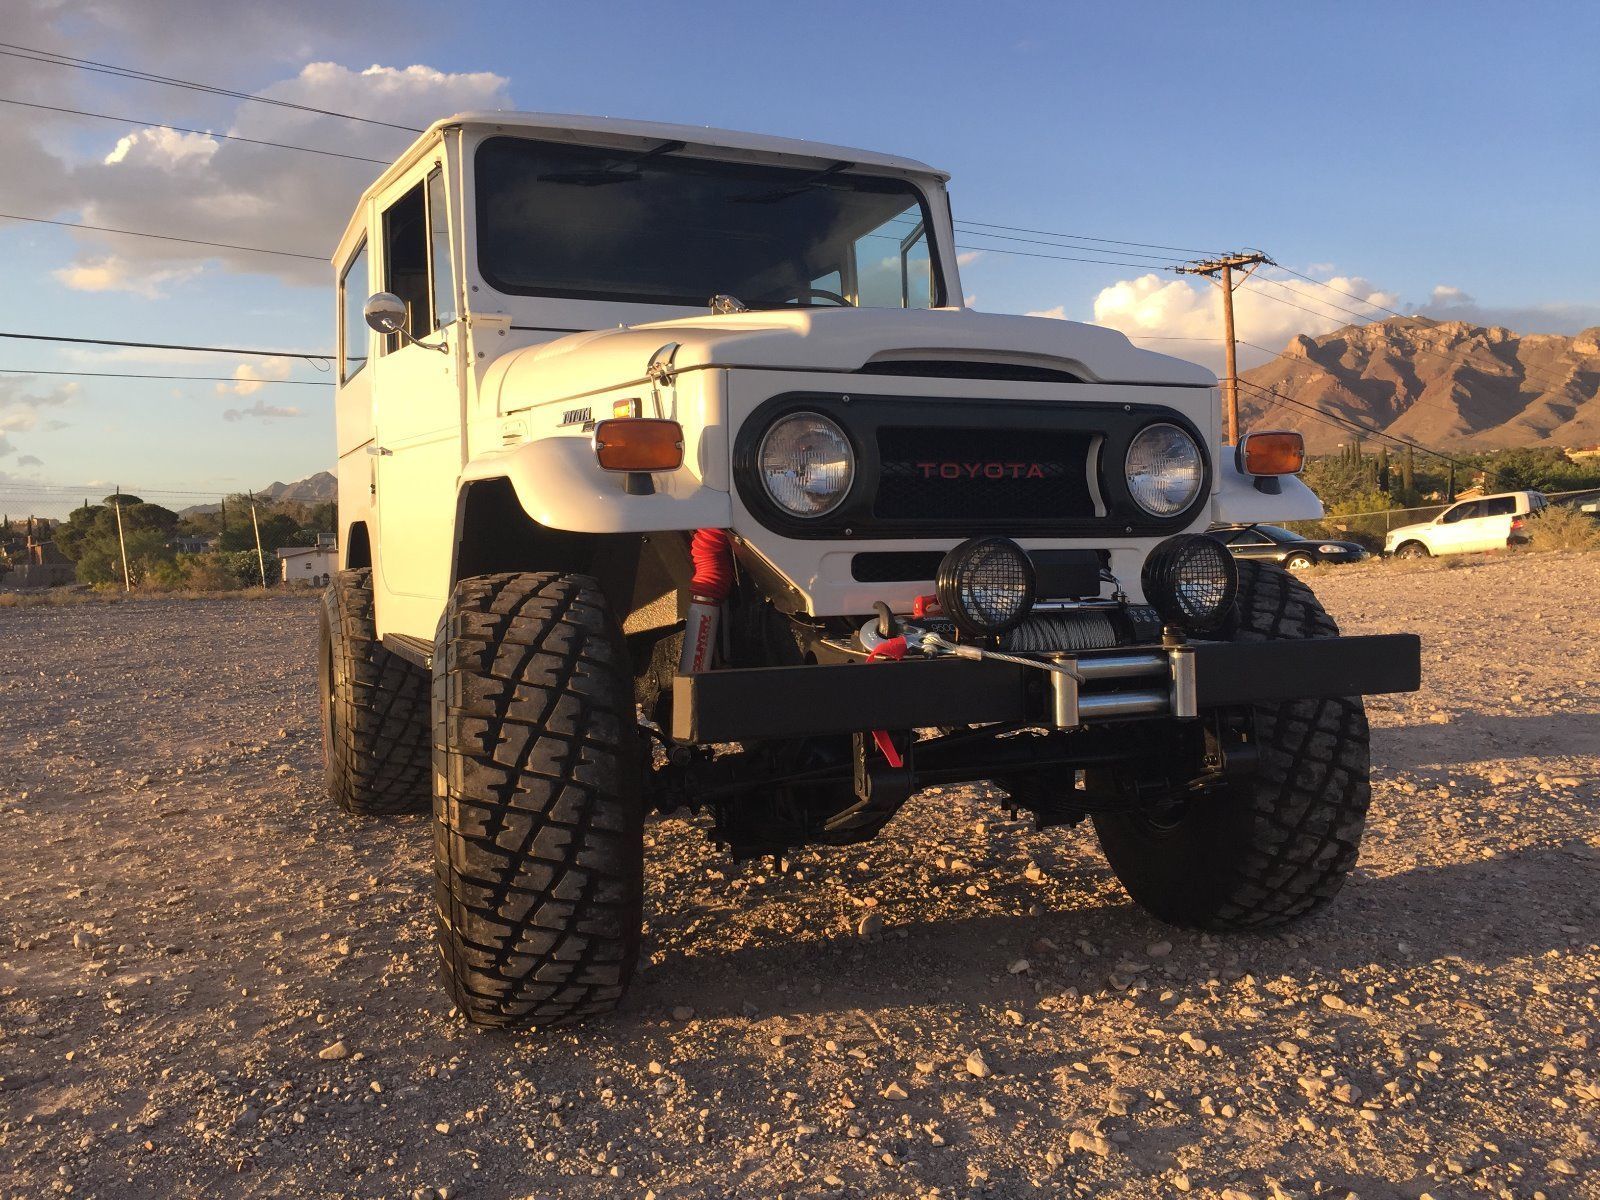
x: 212, y: 984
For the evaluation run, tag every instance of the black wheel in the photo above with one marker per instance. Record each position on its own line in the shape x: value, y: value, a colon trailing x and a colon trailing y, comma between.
x: 1297, y: 562
x: 538, y: 809
x: 1412, y: 550
x: 375, y: 745
x: 1278, y: 845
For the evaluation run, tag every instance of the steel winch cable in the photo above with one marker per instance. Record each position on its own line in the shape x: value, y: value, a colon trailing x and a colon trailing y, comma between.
x: 1081, y: 631
x: 932, y: 641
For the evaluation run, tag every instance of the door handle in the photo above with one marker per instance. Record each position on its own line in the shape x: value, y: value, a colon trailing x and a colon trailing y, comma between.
x: 378, y: 451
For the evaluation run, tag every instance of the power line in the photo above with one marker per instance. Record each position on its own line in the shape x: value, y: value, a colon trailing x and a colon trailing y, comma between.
x: 51, y: 57
x: 1104, y: 262
x: 1086, y: 238
x: 45, y: 337
x: 231, y: 137
x: 163, y: 237
x: 191, y: 378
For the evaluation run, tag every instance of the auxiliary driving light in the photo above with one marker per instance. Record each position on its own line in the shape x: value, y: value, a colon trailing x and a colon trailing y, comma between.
x: 1191, y: 581
x: 985, y: 585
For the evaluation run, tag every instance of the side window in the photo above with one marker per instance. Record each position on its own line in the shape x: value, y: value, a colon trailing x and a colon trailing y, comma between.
x: 353, y: 332
x: 1500, y: 506
x: 1462, y: 512
x: 405, y: 263
x: 892, y: 266
x: 444, y: 293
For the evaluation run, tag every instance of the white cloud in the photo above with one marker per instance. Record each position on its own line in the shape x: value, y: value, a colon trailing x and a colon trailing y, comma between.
x: 1269, y: 313
x: 1448, y: 303
x: 1058, y: 313
x: 114, y: 273
x: 165, y: 147
x: 199, y: 187
x: 250, y: 377
x: 260, y: 410
x: 967, y: 257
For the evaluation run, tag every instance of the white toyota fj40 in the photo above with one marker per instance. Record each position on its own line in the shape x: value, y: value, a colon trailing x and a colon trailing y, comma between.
x: 674, y: 472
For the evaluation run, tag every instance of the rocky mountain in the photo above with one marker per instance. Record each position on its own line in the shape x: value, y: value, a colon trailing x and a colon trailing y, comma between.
x: 1437, y: 383
x: 314, y: 489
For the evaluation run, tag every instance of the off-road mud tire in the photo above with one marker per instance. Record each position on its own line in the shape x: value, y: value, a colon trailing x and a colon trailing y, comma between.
x: 1274, y: 847
x: 375, y: 743
x: 538, y: 809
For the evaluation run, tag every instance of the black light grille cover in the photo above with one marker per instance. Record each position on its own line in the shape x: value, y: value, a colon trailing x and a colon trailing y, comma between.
x: 949, y: 473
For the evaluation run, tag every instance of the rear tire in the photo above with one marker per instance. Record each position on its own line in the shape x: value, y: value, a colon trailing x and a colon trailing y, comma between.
x: 538, y: 810
x: 1412, y: 550
x: 1278, y: 845
x: 374, y: 708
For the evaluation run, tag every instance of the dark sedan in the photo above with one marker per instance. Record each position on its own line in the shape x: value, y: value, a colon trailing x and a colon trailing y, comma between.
x: 1273, y: 543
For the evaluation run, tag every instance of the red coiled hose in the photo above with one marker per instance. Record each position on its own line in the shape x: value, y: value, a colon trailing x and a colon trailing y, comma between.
x: 712, y: 553
x: 709, y: 589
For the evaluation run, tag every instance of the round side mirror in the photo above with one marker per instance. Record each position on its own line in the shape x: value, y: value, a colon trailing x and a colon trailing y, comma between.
x: 386, y: 313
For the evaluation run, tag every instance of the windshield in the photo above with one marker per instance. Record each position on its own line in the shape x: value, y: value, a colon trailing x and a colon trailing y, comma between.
x: 655, y: 227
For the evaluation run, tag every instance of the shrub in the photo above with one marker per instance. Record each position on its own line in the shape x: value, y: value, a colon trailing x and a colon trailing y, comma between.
x: 1563, y: 527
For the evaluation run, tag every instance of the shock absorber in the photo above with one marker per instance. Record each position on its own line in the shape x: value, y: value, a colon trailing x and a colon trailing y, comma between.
x: 712, y: 555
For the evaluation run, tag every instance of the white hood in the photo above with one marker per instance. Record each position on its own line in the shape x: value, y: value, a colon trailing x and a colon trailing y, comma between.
x: 832, y: 340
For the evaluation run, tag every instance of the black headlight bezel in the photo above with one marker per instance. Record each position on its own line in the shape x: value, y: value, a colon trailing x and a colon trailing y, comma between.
x: 1160, y: 578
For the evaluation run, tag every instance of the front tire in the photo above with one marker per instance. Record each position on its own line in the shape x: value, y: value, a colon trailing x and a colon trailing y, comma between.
x: 538, y: 809
x: 1297, y: 562
x: 1276, y: 846
x: 374, y: 708
x: 1412, y: 550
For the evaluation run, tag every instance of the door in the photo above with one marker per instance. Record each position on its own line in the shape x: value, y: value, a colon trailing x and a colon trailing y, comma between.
x: 1492, y: 530
x: 418, y: 413
x: 1456, y: 530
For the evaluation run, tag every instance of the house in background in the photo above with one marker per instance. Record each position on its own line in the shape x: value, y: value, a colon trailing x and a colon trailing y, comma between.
x: 309, y: 566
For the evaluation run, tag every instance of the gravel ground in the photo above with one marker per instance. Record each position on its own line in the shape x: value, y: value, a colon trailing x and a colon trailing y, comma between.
x: 212, y: 984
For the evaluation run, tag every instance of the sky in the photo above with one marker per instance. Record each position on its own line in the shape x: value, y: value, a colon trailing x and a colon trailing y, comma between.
x: 1422, y: 158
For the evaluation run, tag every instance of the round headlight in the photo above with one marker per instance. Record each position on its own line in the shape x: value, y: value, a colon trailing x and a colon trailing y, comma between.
x: 806, y: 464
x: 985, y: 585
x: 1164, y: 469
x: 1191, y: 581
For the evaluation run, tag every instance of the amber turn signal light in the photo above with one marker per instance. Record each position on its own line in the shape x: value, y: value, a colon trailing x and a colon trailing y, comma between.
x: 1278, y: 453
x: 639, y: 444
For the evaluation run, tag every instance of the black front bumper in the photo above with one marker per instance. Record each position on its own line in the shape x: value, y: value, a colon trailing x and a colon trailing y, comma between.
x: 757, y: 703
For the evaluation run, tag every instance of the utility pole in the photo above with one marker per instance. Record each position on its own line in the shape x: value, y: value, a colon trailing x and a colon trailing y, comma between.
x: 261, y: 560
x: 127, y: 584
x: 1220, y: 270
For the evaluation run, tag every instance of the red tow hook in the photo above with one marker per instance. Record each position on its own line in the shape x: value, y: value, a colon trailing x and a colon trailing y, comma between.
x: 889, y: 650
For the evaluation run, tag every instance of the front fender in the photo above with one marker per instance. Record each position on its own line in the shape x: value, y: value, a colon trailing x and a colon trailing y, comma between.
x: 1237, y: 500
x: 561, y: 486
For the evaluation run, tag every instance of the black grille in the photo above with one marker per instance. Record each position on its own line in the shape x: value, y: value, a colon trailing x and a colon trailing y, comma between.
x: 975, y: 473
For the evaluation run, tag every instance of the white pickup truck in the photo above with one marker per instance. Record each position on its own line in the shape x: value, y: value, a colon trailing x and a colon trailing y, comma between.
x: 1483, y: 523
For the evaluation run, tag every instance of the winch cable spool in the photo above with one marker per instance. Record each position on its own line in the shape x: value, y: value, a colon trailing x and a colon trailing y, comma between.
x: 1080, y: 631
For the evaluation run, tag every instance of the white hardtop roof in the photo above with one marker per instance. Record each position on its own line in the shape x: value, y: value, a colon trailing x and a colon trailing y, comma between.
x: 581, y: 130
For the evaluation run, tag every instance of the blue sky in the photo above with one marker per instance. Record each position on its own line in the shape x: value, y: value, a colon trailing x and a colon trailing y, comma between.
x: 1393, y: 150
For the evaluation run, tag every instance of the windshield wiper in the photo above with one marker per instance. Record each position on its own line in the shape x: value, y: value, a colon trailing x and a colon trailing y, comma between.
x: 611, y: 175
x: 794, y: 189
